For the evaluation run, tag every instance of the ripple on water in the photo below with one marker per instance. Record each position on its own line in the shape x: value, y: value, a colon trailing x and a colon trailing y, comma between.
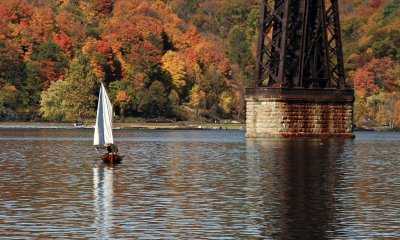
x: 198, y: 185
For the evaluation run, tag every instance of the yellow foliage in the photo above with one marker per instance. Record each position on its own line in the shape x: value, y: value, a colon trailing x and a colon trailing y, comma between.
x: 197, y: 97
x: 90, y: 46
x: 175, y: 65
x: 365, y: 40
x: 226, y: 102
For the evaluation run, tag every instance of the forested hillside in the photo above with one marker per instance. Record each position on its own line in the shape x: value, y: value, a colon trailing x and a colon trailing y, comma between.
x: 180, y: 59
x: 371, y: 36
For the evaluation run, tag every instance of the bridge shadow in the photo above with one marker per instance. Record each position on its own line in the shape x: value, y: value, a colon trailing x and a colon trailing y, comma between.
x: 299, y: 182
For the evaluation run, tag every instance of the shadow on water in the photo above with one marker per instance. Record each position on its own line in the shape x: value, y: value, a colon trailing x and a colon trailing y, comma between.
x: 299, y: 179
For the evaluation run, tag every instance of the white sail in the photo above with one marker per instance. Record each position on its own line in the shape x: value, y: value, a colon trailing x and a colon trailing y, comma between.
x: 103, y: 128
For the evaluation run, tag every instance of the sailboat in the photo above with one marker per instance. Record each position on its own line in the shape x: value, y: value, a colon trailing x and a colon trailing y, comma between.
x: 103, y: 129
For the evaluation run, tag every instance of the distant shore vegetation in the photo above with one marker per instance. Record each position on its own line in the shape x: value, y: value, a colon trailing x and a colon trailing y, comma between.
x: 174, y: 59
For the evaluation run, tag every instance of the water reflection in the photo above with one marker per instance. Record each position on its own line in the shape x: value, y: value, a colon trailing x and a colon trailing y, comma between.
x: 103, y: 199
x: 198, y: 185
x: 298, y: 181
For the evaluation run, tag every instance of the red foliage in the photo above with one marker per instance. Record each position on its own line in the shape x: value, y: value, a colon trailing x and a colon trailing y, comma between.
x: 105, y: 48
x: 72, y: 27
x: 64, y: 41
x: 372, y: 77
x: 377, y: 3
x: 149, y: 28
x: 49, y: 72
x: 144, y: 55
x: 102, y: 7
x: 121, y: 35
x: 20, y: 10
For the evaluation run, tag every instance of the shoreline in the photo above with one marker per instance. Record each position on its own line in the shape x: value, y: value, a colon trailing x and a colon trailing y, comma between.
x: 151, y: 126
x: 125, y: 125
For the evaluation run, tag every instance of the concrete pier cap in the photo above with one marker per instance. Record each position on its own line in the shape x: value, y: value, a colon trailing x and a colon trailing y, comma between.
x: 299, y: 112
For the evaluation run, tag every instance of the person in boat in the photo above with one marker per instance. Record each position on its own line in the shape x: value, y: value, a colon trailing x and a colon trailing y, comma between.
x: 111, y: 148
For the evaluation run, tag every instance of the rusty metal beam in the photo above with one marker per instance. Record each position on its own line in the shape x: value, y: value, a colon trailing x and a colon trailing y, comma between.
x: 299, y: 45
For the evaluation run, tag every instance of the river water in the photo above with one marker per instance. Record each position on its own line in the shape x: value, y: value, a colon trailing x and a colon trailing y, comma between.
x: 198, y: 184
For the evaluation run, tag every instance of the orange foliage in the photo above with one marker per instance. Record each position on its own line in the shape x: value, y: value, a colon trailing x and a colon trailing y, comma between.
x: 124, y: 101
x: 208, y: 54
x: 396, y: 113
x: 372, y: 77
x: 192, y: 36
x: 122, y: 97
x: 121, y: 35
x: 41, y: 25
x: 6, y: 17
x: 355, y: 60
x: 10, y: 88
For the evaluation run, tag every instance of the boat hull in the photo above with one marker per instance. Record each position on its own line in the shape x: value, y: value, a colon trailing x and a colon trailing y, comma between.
x: 111, y: 158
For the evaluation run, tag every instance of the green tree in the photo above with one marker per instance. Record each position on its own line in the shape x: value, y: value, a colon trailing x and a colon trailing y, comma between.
x: 51, y: 52
x: 239, y: 49
x: 156, y: 104
x: 185, y: 8
x: 11, y: 64
x: 32, y: 88
x: 173, y: 98
x: 9, y: 96
x: 52, y: 104
x: 81, y: 96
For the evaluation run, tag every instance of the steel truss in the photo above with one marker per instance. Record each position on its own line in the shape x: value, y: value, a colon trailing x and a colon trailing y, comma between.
x: 300, y: 45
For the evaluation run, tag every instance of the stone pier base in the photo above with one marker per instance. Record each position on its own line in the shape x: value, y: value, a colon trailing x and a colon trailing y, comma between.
x: 292, y: 112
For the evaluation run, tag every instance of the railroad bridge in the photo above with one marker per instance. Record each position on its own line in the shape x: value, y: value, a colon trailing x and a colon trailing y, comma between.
x: 300, y: 88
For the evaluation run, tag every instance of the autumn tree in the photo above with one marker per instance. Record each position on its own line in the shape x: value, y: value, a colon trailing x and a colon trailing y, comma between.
x: 173, y: 63
x: 102, y: 8
x: 226, y: 103
x: 197, y: 98
x: 144, y: 56
x: 372, y: 77
x: 195, y: 56
x: 123, y: 103
x: 52, y: 63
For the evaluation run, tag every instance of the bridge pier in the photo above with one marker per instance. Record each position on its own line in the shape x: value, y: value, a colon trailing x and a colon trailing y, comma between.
x: 299, y: 112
